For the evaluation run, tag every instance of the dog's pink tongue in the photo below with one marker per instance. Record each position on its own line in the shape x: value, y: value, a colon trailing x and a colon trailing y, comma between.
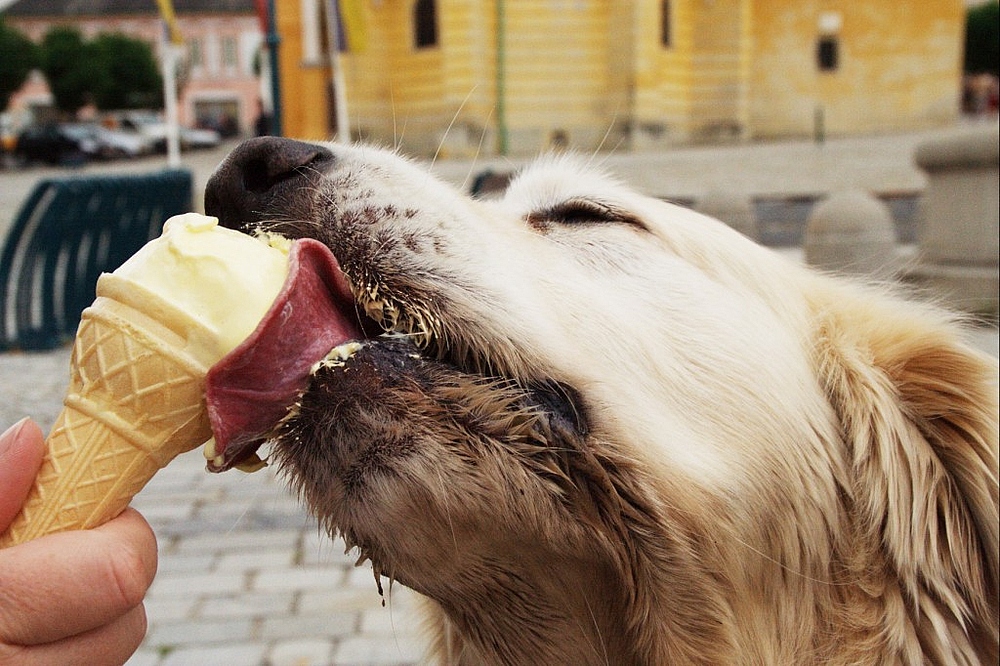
x: 252, y: 387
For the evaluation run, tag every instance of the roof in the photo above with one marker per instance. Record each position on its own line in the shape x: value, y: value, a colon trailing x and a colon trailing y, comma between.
x: 72, y: 8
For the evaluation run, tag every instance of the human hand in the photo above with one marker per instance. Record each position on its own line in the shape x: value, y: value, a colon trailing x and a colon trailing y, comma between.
x: 73, y: 597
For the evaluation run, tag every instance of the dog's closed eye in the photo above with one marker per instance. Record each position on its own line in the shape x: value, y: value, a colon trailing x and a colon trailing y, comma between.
x: 580, y: 211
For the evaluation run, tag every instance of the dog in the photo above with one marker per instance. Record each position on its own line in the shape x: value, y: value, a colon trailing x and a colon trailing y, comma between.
x: 591, y: 427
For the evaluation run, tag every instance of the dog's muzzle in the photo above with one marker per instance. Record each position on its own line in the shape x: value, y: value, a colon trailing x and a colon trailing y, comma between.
x: 260, y: 176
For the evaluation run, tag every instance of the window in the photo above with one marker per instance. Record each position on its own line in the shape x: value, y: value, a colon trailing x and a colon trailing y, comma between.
x: 230, y: 57
x: 828, y: 53
x: 196, y: 52
x: 425, y: 23
x: 665, y: 23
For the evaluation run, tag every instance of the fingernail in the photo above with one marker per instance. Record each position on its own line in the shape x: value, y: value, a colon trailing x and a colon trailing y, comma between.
x: 11, y: 433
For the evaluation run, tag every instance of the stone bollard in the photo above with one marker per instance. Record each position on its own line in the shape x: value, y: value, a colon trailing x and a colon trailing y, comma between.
x: 851, y: 232
x: 735, y: 209
x: 958, y: 225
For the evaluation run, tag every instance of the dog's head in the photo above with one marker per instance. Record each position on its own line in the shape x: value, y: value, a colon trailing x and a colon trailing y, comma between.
x: 585, y: 413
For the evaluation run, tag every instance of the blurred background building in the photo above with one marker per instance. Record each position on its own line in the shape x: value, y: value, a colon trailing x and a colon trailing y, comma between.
x: 219, y: 85
x: 522, y: 75
x: 463, y: 77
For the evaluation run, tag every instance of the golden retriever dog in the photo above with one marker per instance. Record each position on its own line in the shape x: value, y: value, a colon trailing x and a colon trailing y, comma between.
x: 591, y: 427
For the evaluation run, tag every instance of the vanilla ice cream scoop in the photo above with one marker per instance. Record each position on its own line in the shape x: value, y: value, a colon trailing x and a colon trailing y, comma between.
x: 222, y: 280
x: 136, y: 397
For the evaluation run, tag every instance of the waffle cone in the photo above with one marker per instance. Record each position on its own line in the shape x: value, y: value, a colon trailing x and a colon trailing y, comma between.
x: 135, y: 401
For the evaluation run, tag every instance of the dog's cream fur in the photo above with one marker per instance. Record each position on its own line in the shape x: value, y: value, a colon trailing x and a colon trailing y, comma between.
x: 771, y: 466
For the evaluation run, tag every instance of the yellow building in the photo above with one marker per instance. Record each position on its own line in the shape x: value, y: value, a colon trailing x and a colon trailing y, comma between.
x: 518, y: 76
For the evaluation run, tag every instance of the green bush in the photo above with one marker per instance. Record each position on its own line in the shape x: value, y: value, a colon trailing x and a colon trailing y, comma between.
x: 112, y: 71
x: 18, y: 56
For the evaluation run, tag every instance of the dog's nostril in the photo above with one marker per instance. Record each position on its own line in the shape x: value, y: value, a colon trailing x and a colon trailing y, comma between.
x: 256, y: 178
x: 262, y: 171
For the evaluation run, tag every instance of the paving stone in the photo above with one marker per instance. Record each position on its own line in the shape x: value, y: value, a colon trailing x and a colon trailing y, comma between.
x: 298, y: 578
x: 399, y: 618
x: 170, y: 609
x: 158, y: 512
x: 302, y: 652
x: 238, y: 541
x: 227, y: 655
x: 400, y: 602
x: 279, y: 498
x: 255, y: 559
x: 378, y: 651
x: 200, y: 633
x: 339, y: 599
x: 236, y: 498
x: 247, y: 605
x: 195, y: 584
x: 308, y: 625
x: 222, y: 523
x: 396, y: 618
x: 188, y: 493
x: 172, y: 564
x: 33, y: 383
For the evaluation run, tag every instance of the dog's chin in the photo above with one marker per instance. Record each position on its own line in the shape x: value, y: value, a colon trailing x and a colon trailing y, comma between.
x: 381, y: 419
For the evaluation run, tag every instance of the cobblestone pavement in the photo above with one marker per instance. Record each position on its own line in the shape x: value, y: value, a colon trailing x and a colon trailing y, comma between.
x: 245, y: 576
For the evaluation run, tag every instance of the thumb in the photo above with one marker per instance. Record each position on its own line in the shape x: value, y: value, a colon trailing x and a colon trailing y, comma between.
x: 22, y: 448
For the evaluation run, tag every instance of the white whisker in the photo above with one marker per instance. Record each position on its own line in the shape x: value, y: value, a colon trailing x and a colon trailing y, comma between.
x: 479, y: 149
x: 454, y: 119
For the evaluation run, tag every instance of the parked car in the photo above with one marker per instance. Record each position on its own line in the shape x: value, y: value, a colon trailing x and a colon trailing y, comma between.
x: 83, y: 137
x: 125, y: 144
x: 192, y: 137
x: 145, y: 124
x: 109, y: 144
x: 53, y: 144
x: 152, y: 126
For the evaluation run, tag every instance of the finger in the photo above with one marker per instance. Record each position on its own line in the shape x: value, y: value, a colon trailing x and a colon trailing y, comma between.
x: 68, y: 583
x: 22, y: 448
x: 110, y: 644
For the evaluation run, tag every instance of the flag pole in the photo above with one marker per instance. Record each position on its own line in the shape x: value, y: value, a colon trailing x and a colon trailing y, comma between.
x: 503, y: 136
x: 171, y: 41
x: 337, y: 73
x: 273, y: 41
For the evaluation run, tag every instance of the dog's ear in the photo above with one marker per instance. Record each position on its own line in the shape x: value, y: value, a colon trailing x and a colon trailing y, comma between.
x: 918, y: 412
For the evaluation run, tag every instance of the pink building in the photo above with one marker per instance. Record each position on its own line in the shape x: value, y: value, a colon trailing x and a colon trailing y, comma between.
x: 222, y: 40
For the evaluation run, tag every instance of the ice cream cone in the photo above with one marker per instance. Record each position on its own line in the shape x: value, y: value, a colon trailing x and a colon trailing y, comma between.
x: 135, y: 401
x: 136, y: 398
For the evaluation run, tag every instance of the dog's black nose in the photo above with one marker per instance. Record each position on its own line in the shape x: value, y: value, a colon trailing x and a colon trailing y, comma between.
x: 261, y: 178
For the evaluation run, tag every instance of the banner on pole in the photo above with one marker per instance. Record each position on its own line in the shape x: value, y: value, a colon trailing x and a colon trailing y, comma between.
x: 260, y: 6
x: 170, y: 19
x: 352, y: 31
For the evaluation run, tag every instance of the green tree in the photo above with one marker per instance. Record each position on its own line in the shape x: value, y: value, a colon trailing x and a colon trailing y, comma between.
x: 132, y: 79
x: 18, y: 56
x: 982, y: 39
x: 70, y: 68
x: 112, y: 70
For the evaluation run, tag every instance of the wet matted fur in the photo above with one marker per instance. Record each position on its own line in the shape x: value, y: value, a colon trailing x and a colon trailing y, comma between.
x: 604, y: 429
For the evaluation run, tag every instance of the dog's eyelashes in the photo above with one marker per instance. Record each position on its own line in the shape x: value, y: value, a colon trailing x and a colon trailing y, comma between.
x: 574, y: 211
x: 578, y: 212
